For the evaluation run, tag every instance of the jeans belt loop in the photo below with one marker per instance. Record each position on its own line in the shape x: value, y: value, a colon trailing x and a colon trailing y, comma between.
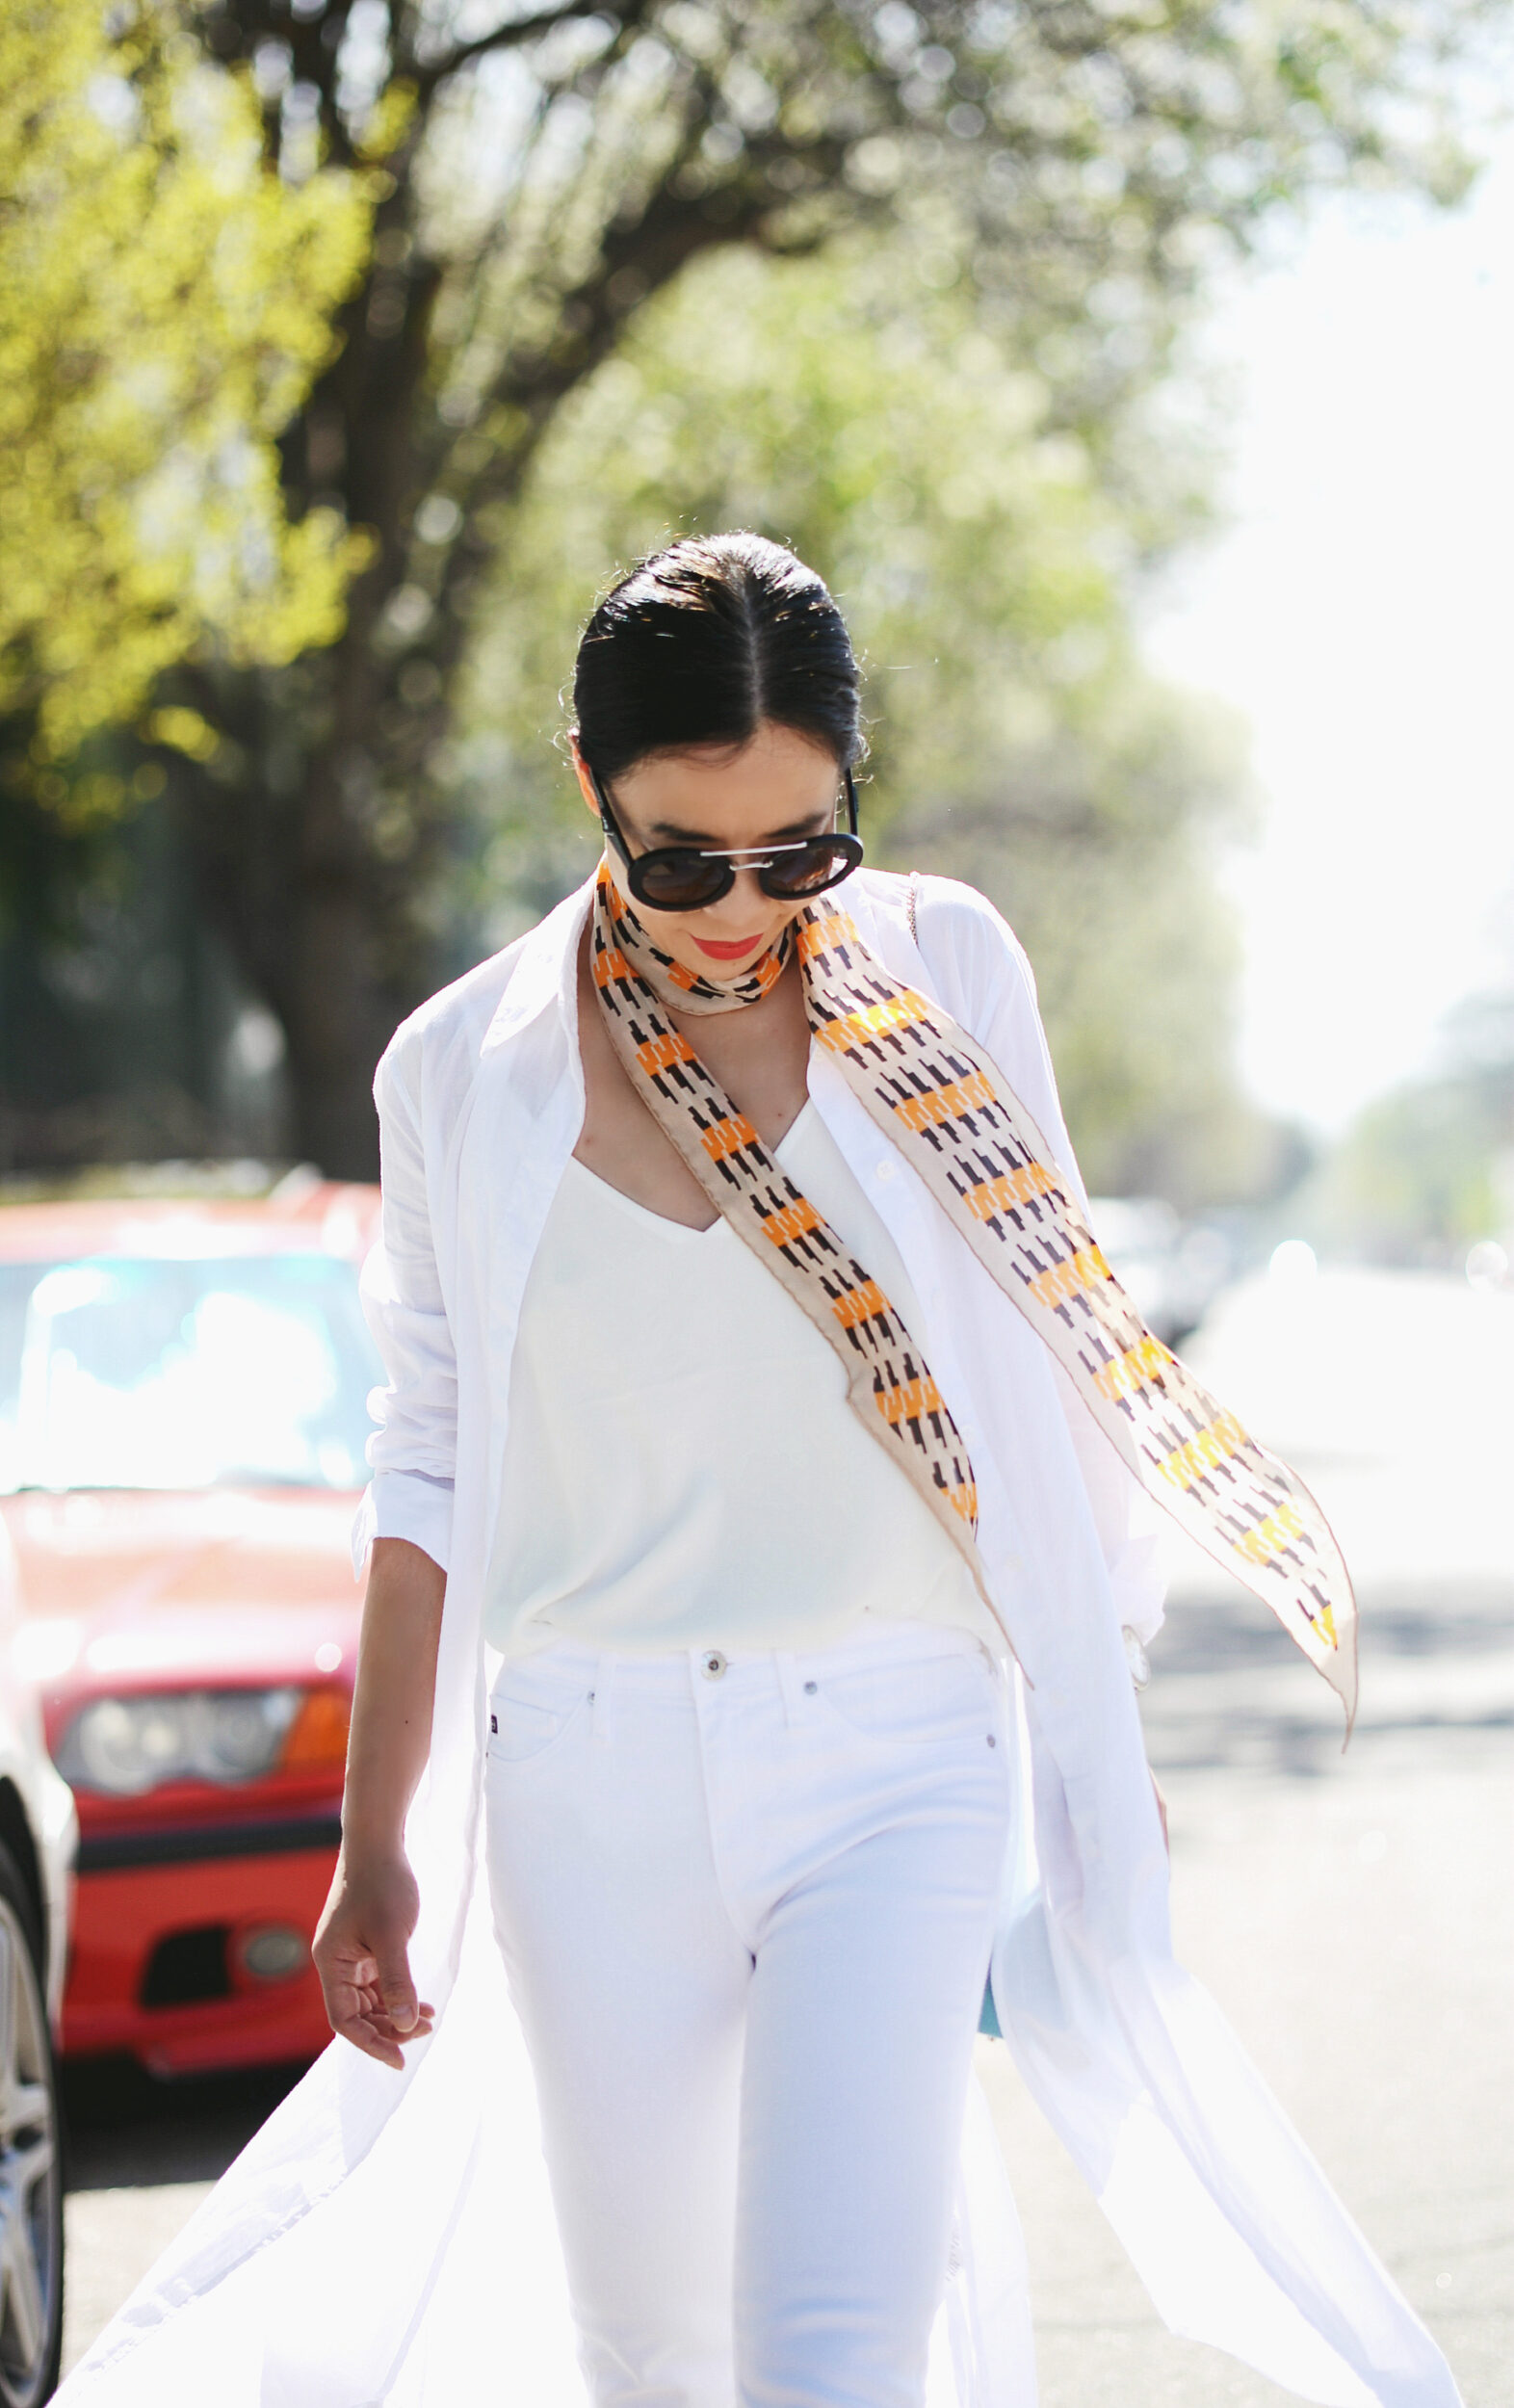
x: 603, y: 1699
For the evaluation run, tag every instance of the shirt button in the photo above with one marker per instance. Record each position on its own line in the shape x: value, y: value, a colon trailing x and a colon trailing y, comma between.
x: 885, y: 1170
x: 714, y: 1664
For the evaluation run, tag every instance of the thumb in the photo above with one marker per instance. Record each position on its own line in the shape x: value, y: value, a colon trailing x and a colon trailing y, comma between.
x: 395, y: 1987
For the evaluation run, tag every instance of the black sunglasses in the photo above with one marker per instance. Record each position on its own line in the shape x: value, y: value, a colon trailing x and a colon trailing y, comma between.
x: 683, y: 877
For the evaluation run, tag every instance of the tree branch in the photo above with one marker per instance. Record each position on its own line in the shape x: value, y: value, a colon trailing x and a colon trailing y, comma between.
x: 426, y: 75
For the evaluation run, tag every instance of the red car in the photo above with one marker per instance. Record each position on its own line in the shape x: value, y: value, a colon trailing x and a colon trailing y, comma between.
x: 182, y: 1423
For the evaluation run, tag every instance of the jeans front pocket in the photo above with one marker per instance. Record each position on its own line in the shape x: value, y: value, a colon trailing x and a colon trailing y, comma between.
x: 937, y: 1701
x: 520, y: 1729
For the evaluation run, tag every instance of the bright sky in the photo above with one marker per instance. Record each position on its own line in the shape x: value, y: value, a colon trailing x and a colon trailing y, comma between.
x: 1360, y: 611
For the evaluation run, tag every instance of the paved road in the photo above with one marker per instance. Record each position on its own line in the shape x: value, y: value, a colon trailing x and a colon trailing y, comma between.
x: 1352, y: 1914
x: 1353, y: 1919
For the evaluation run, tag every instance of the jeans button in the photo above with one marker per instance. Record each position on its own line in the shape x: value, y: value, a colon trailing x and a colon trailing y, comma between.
x: 714, y: 1664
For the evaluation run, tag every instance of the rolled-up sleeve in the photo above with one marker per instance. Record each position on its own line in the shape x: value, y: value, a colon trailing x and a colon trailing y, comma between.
x: 413, y: 1449
x: 967, y: 943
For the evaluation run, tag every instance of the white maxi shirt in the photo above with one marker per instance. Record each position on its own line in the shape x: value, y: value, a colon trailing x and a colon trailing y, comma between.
x: 388, y: 2237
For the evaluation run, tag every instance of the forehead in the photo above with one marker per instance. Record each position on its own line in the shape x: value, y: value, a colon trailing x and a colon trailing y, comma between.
x: 778, y: 784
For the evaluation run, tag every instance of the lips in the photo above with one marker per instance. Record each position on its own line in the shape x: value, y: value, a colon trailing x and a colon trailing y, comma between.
x: 729, y: 953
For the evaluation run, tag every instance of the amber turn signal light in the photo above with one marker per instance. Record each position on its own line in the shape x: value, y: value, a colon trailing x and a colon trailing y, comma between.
x: 317, y: 1738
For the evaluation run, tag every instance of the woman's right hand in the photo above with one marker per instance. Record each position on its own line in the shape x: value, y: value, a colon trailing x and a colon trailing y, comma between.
x: 361, y: 1952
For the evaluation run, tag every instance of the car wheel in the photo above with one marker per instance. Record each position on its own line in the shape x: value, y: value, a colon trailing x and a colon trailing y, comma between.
x: 31, y: 2174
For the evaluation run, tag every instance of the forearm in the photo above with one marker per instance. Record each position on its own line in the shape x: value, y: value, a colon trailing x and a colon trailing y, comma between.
x: 393, y: 1696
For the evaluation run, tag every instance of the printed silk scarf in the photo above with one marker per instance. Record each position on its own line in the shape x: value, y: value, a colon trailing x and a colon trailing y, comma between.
x: 955, y: 1119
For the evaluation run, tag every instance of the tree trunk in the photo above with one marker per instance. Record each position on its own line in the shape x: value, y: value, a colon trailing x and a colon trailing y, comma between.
x: 311, y: 857
x: 321, y: 827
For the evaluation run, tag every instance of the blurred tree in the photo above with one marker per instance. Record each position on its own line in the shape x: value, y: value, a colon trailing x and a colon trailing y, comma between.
x: 1102, y: 846
x: 165, y: 302
x: 548, y: 169
x: 982, y: 558
x: 123, y: 1036
x: 1424, y: 1172
x: 1411, y: 1182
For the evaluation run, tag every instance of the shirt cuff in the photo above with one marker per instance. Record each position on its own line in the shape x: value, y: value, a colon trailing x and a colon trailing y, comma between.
x: 404, y: 1505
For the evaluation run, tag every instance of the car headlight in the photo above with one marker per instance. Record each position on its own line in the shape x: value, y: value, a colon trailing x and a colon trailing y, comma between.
x: 126, y: 1746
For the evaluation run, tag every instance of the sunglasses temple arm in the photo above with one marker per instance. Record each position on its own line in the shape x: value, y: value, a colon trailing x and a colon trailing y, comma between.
x: 608, y: 822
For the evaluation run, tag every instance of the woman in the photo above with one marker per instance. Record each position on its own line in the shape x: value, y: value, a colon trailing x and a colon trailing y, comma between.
x: 755, y: 1484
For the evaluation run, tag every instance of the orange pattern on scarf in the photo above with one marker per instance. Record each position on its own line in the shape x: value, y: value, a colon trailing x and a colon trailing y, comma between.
x: 950, y: 1113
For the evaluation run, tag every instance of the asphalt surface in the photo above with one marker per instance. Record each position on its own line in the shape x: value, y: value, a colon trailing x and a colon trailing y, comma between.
x: 1352, y: 1914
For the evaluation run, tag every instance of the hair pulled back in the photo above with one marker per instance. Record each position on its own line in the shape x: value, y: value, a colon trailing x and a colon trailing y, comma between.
x: 705, y: 641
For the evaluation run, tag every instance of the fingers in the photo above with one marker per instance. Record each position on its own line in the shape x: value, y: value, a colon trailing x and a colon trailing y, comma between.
x: 361, y: 1954
x: 396, y: 1989
x: 373, y: 2035
x: 377, y: 2010
x: 362, y: 2035
x: 356, y: 2012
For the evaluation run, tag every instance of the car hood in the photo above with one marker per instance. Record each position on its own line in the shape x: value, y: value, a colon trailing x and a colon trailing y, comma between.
x: 221, y: 1582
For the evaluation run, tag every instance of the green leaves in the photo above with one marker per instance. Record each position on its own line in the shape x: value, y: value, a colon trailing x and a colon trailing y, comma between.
x: 165, y: 302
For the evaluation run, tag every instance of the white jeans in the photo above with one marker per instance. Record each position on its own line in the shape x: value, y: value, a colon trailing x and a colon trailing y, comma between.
x: 745, y: 1908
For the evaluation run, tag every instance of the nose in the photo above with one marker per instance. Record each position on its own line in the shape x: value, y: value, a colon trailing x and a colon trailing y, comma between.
x: 735, y: 909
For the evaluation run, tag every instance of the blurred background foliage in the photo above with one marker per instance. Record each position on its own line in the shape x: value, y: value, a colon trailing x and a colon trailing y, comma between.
x: 165, y: 304
x: 1428, y: 1172
x: 469, y: 304
x: 855, y: 405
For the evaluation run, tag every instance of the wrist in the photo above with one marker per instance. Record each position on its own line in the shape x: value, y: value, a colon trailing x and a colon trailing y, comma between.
x: 371, y: 1843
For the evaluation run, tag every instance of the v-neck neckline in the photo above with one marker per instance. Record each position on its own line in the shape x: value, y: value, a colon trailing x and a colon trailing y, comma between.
x: 665, y: 1221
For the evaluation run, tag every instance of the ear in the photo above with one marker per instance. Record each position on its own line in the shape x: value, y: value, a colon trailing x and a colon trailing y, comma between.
x: 586, y: 784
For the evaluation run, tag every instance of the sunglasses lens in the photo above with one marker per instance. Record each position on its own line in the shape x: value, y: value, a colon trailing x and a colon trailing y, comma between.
x: 670, y: 878
x: 679, y: 881
x: 810, y: 870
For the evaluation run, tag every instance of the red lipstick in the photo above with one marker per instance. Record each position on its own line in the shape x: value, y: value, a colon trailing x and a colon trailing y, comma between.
x: 728, y: 952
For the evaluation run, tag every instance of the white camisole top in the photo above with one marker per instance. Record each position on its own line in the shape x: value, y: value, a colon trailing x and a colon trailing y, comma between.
x: 683, y: 1468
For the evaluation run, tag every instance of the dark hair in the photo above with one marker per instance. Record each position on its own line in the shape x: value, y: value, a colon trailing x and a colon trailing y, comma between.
x: 705, y: 641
